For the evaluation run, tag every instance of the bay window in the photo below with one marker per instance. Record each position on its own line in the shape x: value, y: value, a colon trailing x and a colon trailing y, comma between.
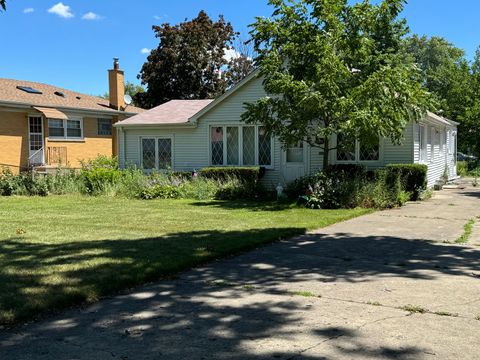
x: 65, y: 129
x: 240, y: 145
x: 352, y: 150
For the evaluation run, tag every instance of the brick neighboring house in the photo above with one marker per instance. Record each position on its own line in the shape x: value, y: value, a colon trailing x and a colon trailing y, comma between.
x: 46, y: 126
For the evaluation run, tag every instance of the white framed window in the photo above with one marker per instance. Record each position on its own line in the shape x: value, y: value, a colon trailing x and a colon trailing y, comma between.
x: 70, y: 129
x: 422, y: 135
x: 240, y: 145
x: 157, y: 153
x: 104, y: 127
x: 351, y: 150
x: 295, y: 154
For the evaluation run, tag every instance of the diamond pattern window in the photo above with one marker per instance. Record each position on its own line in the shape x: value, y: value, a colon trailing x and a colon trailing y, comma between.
x: 370, y: 151
x: 217, y: 145
x: 345, y: 148
x: 248, y: 145
x: 264, y: 147
x: 233, y: 146
x: 148, y: 154
x: 164, y: 153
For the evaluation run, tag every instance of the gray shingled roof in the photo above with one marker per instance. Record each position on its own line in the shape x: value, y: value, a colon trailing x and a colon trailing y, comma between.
x: 73, y: 100
x: 173, y: 112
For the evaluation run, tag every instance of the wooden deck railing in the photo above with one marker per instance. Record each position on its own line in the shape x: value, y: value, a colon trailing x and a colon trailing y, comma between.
x: 56, y: 155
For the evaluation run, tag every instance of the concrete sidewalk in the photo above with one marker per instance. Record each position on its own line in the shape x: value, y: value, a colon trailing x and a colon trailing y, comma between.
x: 391, y: 285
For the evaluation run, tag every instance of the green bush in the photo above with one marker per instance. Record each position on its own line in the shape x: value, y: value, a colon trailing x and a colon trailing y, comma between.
x: 8, y: 182
x: 462, y: 168
x: 160, y: 192
x: 244, y: 174
x: 413, y: 178
x: 100, y: 174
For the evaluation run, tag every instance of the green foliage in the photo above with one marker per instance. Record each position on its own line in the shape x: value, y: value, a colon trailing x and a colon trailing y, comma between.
x: 3, y: 4
x: 412, y: 178
x: 334, y: 68
x: 187, y: 62
x: 350, y: 186
x: 8, y: 182
x: 100, y: 174
x: 462, y: 168
x: 244, y: 174
x: 160, y: 192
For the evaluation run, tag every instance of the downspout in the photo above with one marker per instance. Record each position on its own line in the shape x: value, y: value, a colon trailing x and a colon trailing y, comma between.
x: 121, y: 132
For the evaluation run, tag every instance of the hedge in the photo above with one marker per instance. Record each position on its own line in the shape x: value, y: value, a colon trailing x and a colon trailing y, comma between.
x: 413, y: 177
x: 244, y: 174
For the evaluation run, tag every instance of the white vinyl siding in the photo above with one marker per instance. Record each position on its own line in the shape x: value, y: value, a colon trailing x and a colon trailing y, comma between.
x: 191, y: 145
x: 436, y: 152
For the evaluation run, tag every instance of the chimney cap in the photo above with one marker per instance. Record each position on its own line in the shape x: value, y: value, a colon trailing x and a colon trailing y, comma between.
x: 116, y: 65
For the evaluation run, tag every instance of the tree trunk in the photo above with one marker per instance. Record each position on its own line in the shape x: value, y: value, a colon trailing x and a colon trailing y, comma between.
x: 326, y: 147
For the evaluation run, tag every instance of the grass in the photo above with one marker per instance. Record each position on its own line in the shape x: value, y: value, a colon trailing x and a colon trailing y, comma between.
x: 414, y: 309
x: 303, y: 293
x: 445, y: 313
x: 65, y: 250
x: 374, y: 303
x: 467, y: 232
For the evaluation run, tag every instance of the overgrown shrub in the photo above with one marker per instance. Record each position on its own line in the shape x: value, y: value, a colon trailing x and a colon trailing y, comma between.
x: 8, y: 182
x: 160, y: 192
x: 350, y: 187
x: 100, y: 174
x: 413, y: 178
x: 244, y: 174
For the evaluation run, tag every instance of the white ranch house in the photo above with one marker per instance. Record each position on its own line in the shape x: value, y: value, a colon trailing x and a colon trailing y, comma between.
x: 187, y: 135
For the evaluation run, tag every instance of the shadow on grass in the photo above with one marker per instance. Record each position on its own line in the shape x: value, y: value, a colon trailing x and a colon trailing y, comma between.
x: 247, y: 204
x: 194, y: 317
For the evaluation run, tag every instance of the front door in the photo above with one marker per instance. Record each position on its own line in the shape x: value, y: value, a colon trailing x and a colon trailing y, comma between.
x: 35, y: 140
x: 294, y: 162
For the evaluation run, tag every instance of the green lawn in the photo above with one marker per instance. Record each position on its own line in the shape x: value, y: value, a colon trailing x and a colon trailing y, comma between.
x: 63, y: 250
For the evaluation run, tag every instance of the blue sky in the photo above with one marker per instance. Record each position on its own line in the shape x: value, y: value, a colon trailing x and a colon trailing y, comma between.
x: 71, y: 45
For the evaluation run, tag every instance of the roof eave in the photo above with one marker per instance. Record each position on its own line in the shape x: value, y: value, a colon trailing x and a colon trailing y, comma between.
x: 92, y: 111
x: 154, y: 126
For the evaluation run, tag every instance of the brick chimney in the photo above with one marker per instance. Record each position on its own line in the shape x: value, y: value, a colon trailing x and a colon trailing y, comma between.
x: 116, y: 86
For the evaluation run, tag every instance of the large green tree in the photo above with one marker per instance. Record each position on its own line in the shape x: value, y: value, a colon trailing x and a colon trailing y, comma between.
x: 334, y: 68
x: 445, y: 73
x: 188, y: 62
x: 469, y: 136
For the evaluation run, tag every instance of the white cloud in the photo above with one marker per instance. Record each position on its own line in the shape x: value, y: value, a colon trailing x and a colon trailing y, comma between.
x: 28, y: 10
x: 61, y: 10
x: 231, y: 54
x: 145, y: 51
x: 160, y: 17
x: 91, y: 16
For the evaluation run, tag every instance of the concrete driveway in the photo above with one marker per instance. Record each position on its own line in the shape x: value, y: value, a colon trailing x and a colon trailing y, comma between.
x: 391, y: 285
